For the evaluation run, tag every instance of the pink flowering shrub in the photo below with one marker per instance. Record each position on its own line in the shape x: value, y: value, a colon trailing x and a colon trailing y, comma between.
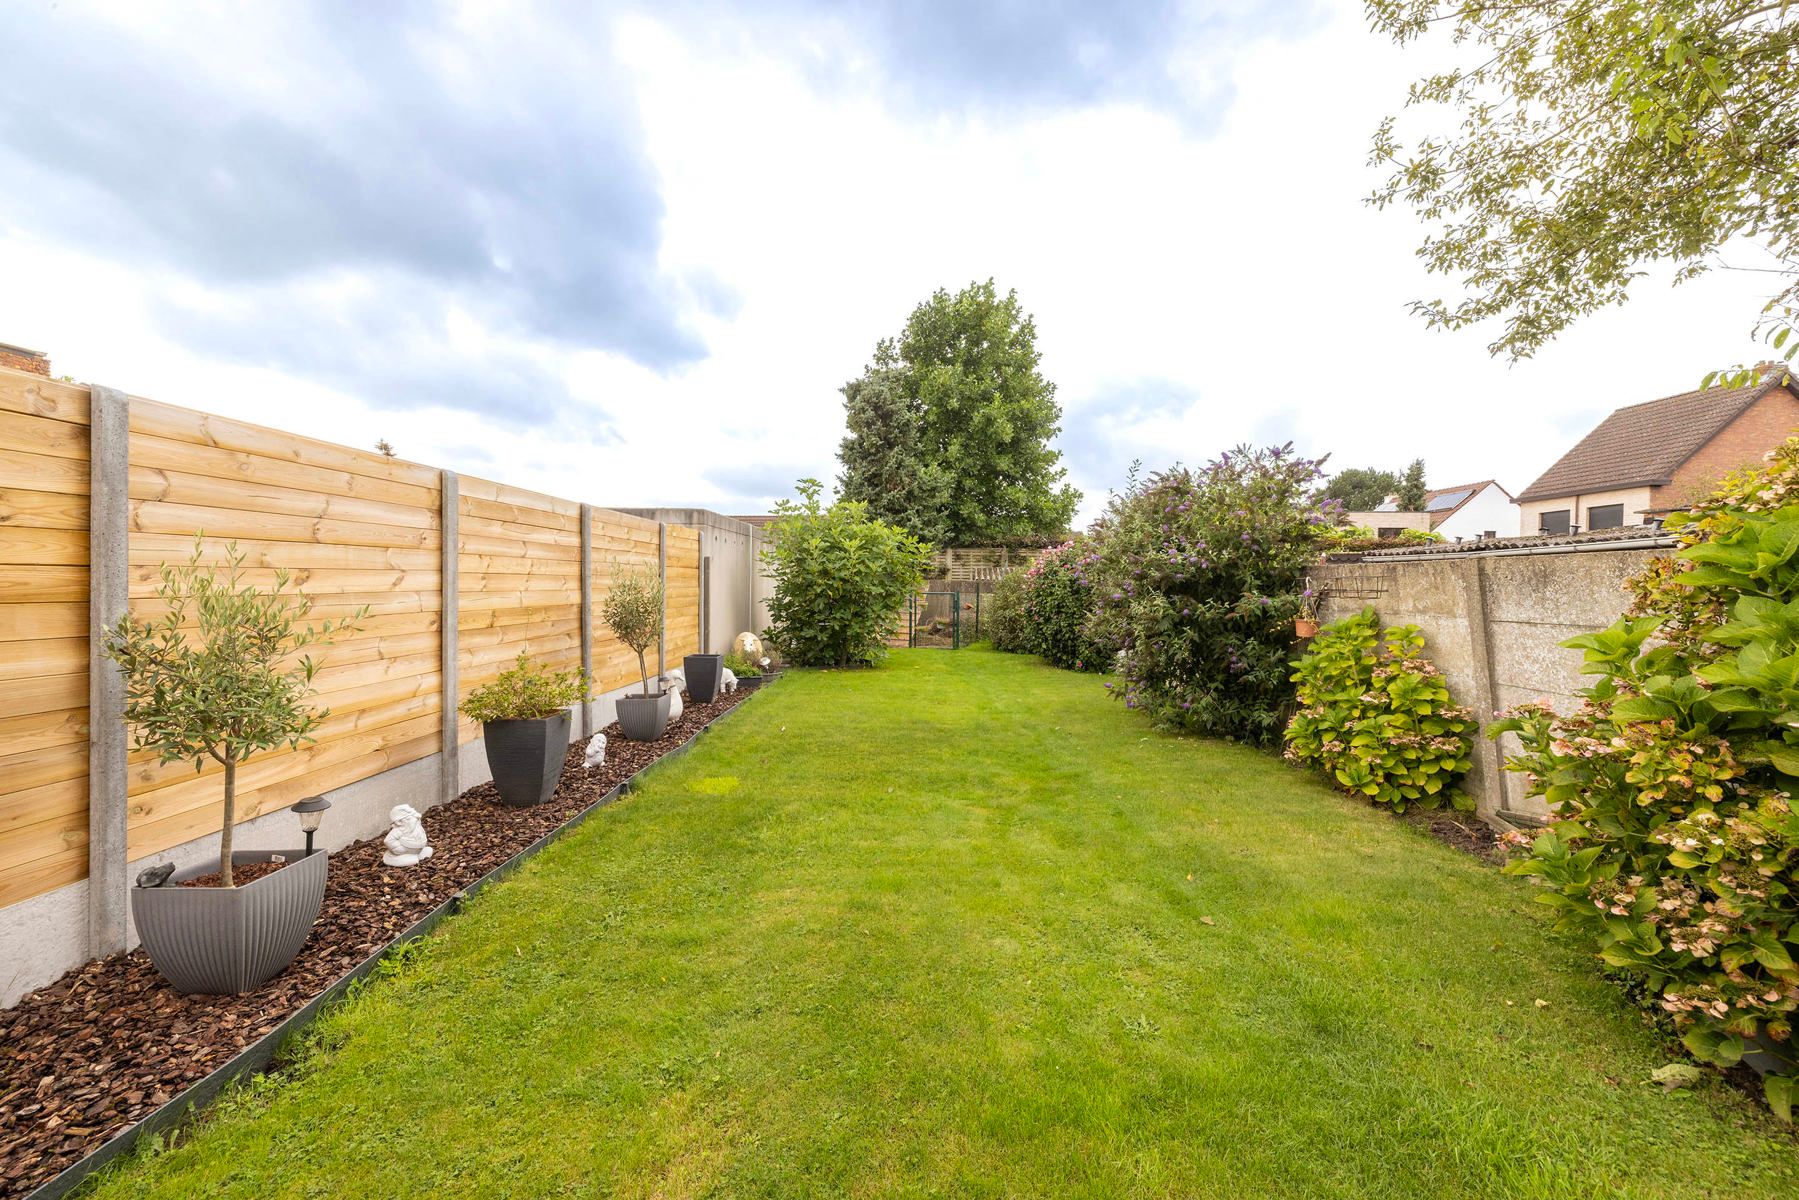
x: 1377, y: 716
x: 1676, y: 848
x: 1197, y: 576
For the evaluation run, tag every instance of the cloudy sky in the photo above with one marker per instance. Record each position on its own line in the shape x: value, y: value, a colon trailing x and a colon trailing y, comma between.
x: 628, y: 252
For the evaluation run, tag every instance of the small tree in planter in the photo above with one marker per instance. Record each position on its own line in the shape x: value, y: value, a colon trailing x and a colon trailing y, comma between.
x: 633, y: 611
x: 524, y: 727
x: 215, y: 678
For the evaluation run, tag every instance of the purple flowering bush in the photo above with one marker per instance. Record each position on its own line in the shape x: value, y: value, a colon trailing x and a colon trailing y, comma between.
x: 1377, y: 716
x: 1046, y: 608
x: 1197, y: 576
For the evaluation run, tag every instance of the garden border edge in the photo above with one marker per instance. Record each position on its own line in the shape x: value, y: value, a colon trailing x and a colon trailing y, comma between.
x: 196, y: 1098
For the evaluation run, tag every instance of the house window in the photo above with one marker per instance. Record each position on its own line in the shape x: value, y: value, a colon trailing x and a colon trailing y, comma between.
x: 1489, y: 533
x: 1605, y: 516
x: 1553, y: 522
x: 1386, y: 531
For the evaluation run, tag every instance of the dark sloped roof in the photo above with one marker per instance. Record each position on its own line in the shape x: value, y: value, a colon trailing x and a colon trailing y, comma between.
x: 1644, y: 444
x: 1649, y: 536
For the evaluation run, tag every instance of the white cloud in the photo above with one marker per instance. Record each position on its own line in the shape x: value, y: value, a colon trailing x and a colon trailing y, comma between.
x: 1191, y: 290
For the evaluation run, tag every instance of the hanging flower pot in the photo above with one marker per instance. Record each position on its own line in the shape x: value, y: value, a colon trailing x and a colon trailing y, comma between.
x: 1305, y: 627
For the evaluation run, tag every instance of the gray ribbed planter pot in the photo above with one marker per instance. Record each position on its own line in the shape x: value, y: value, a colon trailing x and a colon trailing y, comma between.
x: 704, y: 673
x: 526, y: 757
x: 642, y: 718
x: 222, y: 941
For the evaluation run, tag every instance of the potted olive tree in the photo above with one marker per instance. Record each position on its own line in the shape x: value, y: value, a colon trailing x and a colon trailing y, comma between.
x: 524, y: 726
x: 633, y: 611
x: 215, y: 680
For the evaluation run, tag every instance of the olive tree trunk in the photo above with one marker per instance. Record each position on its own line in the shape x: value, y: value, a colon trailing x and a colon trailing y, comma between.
x: 230, y: 822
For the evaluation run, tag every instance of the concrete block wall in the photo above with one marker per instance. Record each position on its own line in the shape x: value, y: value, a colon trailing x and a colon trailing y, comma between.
x: 737, y: 591
x: 1492, y: 622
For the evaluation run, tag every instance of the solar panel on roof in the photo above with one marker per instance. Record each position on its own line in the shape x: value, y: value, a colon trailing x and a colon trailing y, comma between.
x: 1447, y: 500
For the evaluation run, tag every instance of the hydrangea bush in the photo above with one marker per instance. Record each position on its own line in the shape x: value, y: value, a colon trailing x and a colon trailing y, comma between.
x: 1197, y: 576
x: 1676, y: 848
x: 1376, y: 715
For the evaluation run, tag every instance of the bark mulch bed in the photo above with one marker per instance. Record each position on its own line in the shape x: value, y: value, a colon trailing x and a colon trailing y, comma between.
x: 104, y: 1046
x: 1462, y: 830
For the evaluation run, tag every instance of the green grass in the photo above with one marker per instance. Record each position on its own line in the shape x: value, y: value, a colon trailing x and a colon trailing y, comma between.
x: 962, y: 927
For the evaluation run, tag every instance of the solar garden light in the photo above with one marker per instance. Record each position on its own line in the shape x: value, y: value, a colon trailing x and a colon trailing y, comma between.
x: 311, y: 812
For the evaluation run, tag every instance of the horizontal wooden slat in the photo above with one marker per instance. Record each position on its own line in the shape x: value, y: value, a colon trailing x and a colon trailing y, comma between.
x: 207, y: 429
x: 258, y: 495
x: 25, y: 508
x: 165, y: 454
x: 40, y: 397
x: 188, y: 520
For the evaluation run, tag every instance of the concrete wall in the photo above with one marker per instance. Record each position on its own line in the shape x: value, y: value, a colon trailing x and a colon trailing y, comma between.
x: 47, y: 935
x: 1636, y: 502
x: 1491, y: 621
x: 730, y: 551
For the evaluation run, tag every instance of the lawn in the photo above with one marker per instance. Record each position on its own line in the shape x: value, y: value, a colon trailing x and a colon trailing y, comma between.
x: 961, y: 926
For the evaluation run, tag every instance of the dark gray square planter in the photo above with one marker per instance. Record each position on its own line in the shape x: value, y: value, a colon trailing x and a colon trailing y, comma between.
x: 526, y: 757
x: 704, y: 673
x: 642, y: 718
x: 222, y: 941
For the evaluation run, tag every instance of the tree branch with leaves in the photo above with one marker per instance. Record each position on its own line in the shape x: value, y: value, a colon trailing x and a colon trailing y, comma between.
x: 1594, y: 140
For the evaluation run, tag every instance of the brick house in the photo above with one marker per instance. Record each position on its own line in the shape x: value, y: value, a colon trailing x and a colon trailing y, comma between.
x: 1648, y: 459
x: 17, y: 358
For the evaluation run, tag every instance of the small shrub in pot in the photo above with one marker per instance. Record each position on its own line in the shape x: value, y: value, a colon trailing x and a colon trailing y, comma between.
x: 525, y: 727
x: 214, y: 680
x: 633, y: 611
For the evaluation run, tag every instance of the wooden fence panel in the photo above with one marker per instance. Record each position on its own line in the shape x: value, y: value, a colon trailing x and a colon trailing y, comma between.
x: 518, y: 585
x: 43, y: 634
x: 683, y: 593
x: 351, y: 528
x: 620, y: 543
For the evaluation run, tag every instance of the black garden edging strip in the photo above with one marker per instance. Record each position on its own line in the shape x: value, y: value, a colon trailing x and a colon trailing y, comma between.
x: 257, y: 1056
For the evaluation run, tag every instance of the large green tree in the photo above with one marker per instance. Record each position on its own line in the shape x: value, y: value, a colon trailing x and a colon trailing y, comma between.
x: 884, y: 459
x: 1591, y: 139
x: 1361, y: 489
x: 1409, y: 495
x: 951, y: 424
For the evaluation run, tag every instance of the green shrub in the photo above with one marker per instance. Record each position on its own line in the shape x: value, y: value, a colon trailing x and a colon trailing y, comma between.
x: 1676, y: 849
x: 840, y: 579
x: 741, y: 667
x: 1377, y: 716
x: 1197, y: 578
x: 525, y: 691
x: 1003, y: 621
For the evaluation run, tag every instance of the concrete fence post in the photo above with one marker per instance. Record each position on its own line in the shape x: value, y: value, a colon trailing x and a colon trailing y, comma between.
x: 587, y: 615
x: 706, y: 604
x: 449, y: 748
x: 1486, y: 774
x: 662, y: 574
x: 109, y: 535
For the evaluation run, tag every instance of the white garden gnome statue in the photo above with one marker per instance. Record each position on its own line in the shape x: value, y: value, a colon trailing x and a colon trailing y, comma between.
x: 405, y: 842
x: 596, y: 751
